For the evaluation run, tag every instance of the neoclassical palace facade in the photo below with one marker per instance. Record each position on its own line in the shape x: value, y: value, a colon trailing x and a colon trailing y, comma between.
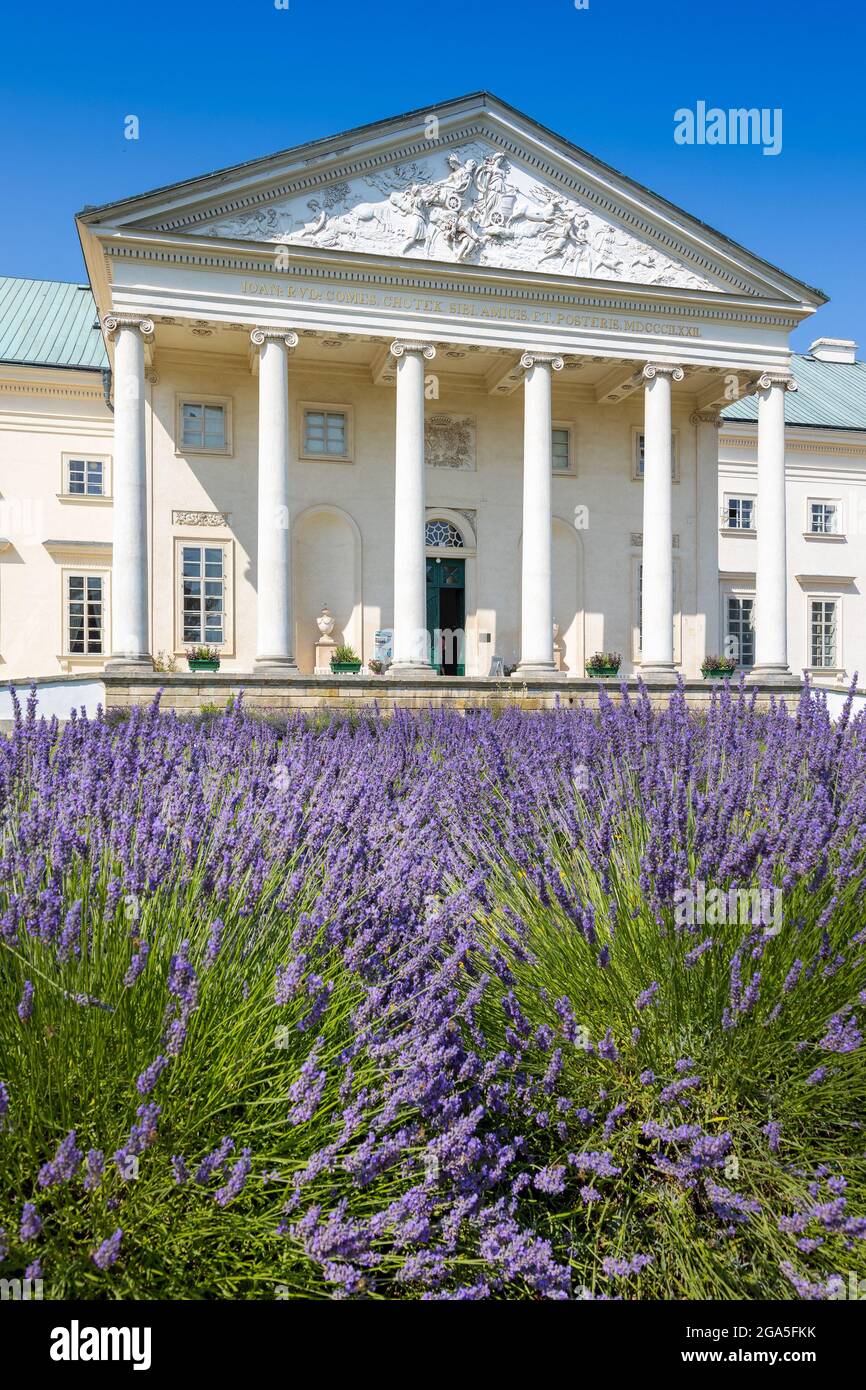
x: 450, y: 378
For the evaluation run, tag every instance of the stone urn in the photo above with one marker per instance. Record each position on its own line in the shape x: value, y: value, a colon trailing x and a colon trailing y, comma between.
x: 326, y: 644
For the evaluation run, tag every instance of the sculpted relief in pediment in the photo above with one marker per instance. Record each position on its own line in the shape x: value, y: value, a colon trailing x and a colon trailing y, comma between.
x: 467, y: 204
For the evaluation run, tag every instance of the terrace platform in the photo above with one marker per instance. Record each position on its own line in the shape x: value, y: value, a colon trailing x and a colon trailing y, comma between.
x: 187, y: 694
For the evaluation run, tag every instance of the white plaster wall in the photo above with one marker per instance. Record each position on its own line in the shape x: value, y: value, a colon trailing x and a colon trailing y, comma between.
x: 827, y: 465
x: 44, y: 414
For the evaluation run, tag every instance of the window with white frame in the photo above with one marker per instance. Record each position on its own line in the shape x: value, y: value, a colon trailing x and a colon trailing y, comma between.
x: 561, y: 449
x: 204, y: 425
x: 84, y: 476
x: 739, y: 641
x: 823, y: 633
x: 739, y: 513
x: 326, y: 433
x: 203, y: 594
x: 84, y: 618
x: 639, y: 452
x: 823, y: 518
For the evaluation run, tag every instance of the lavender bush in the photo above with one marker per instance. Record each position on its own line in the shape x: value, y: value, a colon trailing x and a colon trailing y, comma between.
x: 437, y: 1006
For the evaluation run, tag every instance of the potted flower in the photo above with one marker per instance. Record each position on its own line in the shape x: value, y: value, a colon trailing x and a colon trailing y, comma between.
x: 345, y: 661
x: 203, y: 658
x: 376, y: 666
x: 716, y: 668
x: 603, y: 664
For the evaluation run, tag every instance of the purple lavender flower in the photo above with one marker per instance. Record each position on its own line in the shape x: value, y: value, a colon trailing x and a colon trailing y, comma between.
x: 550, y: 1179
x: 236, y: 1180
x: 4, y: 1104
x: 215, y: 1160
x: 214, y: 942
x: 149, y: 1077
x: 179, y: 1169
x: 33, y: 1271
x: 95, y: 1167
x: 773, y: 1131
x: 842, y: 1034
x: 141, y: 1136
x: 647, y: 996
x: 137, y: 964
x: 818, y: 1075
x: 105, y: 1256
x: 31, y: 1222
x: 64, y: 1165
x: 25, y: 1006
x: 617, y: 1268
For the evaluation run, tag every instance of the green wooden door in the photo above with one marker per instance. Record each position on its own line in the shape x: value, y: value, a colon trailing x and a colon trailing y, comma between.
x: 446, y: 615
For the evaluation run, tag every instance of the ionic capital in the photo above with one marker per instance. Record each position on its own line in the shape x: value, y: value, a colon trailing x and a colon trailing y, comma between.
x: 653, y: 369
x: 260, y: 336
x: 404, y: 345
x: 112, y: 322
x: 783, y: 379
x: 530, y: 359
x: 706, y: 417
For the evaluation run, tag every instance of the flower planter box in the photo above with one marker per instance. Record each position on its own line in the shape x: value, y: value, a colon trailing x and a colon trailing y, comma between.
x: 345, y: 668
x: 602, y: 672
x: 717, y: 673
x: 196, y: 665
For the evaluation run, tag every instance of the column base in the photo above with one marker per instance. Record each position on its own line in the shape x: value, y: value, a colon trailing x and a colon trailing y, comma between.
x: 538, y: 671
x: 275, y: 666
x: 412, y: 671
x: 773, y: 675
x: 658, y: 673
x: 139, y: 665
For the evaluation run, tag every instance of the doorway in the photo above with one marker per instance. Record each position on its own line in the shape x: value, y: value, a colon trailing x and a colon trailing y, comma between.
x: 446, y: 615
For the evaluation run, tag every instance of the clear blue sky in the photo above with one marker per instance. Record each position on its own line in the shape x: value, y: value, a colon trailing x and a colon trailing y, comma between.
x: 215, y: 83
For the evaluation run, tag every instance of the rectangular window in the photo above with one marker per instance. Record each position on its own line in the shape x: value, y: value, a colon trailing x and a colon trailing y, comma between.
x: 85, y: 477
x: 325, y: 433
x: 637, y: 610
x: 203, y: 594
x: 823, y: 518
x: 739, y: 514
x: 639, y: 455
x: 203, y: 426
x: 561, y: 449
x: 739, y: 629
x: 822, y: 632
x: 84, y: 614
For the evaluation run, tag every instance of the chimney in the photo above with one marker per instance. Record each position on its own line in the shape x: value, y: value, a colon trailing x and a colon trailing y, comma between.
x: 834, y: 350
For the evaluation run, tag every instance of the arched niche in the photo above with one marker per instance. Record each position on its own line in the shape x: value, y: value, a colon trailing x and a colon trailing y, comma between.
x: 327, y: 569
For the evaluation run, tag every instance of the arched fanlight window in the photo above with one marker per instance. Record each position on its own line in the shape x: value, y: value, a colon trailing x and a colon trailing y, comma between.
x: 444, y: 535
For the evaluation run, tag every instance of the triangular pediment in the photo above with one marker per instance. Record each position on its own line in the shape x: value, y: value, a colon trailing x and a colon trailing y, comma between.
x: 467, y: 202
x: 474, y: 183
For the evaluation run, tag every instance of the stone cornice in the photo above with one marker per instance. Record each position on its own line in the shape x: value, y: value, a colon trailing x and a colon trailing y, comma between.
x: 616, y: 299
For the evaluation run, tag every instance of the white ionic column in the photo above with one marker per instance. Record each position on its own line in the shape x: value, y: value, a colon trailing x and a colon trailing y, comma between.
x: 707, y: 636
x: 657, y: 559
x: 130, y: 634
x: 275, y: 623
x: 536, y: 599
x: 411, y: 641
x: 771, y: 573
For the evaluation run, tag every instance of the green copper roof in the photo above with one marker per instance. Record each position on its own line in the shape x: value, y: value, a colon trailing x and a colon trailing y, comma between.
x: 49, y: 323
x: 829, y: 395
